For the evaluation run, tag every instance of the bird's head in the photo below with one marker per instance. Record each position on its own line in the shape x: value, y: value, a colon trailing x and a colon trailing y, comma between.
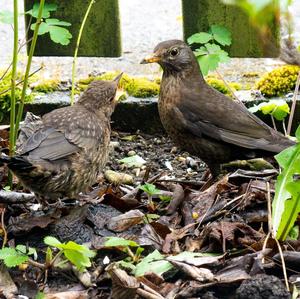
x: 173, y: 56
x: 101, y: 95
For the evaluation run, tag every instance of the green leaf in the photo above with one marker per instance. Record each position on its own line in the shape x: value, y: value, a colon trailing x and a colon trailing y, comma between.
x: 57, y: 22
x: 200, y: 38
x: 279, y: 109
x: 150, y: 189
x: 286, y: 203
x: 153, y: 262
x: 48, y: 7
x: 27, y: 250
x: 12, y: 257
x: 221, y: 35
x: 60, y: 35
x: 80, y: 260
x: 52, y: 241
x: 165, y: 198
x: 39, y: 295
x: 79, y: 248
x: 208, y: 63
x: 133, y: 161
x: 294, y: 233
x: 119, y: 242
x: 6, y: 17
x: 297, y: 134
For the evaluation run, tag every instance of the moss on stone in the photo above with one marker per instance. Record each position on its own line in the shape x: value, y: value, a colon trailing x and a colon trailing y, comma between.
x: 220, y: 85
x: 279, y: 81
x: 5, y: 92
x: 46, y: 86
x: 134, y: 86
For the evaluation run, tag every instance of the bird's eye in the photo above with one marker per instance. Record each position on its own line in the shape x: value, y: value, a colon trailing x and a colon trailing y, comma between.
x: 174, y: 52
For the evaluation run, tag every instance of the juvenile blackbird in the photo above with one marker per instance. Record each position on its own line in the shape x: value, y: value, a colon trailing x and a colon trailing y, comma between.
x: 63, y: 152
x: 203, y: 121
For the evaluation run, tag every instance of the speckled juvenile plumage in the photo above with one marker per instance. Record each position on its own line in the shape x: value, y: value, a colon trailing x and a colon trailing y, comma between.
x: 202, y: 120
x: 61, y: 154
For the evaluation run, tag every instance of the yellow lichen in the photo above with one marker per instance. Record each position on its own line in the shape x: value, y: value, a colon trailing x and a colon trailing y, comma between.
x: 279, y: 81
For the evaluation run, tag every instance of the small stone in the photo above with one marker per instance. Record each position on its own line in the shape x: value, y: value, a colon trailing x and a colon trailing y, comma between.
x: 131, y: 153
x: 118, y: 177
x: 181, y: 159
x: 191, y: 162
x: 174, y: 149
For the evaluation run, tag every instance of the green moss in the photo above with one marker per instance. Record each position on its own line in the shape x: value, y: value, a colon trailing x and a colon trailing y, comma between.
x: 220, y: 85
x: 5, y: 92
x: 46, y: 86
x: 279, y: 81
x: 134, y: 86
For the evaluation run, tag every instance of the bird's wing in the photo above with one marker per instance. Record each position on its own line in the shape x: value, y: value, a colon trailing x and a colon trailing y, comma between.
x: 65, y: 131
x: 212, y: 114
x: 48, y: 144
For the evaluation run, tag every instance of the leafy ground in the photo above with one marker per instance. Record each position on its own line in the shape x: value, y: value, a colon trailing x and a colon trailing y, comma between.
x: 158, y: 228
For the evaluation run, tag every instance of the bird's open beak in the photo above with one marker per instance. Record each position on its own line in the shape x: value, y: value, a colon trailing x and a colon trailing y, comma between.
x: 150, y: 59
x: 118, y: 78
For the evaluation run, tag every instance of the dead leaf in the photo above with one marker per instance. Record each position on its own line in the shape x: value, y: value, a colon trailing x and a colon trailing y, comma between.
x: 177, y: 199
x: 68, y: 295
x: 7, y: 286
x: 125, y: 221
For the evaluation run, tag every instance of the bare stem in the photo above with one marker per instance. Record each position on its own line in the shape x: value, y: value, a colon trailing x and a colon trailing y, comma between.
x: 295, y: 96
x: 13, y: 81
x: 27, y: 71
x: 273, y: 122
x: 76, y: 49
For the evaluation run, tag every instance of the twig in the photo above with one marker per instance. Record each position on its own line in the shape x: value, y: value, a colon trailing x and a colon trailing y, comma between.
x: 273, y: 123
x: 11, y: 197
x: 3, y: 228
x: 284, y: 128
x: 77, y: 47
x: 295, y: 96
x: 283, y: 266
x: 229, y: 87
x: 36, y: 264
x: 265, y: 245
x: 269, y: 208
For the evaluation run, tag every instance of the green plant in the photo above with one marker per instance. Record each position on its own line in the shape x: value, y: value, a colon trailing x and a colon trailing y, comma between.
x: 54, y: 27
x: 125, y: 246
x: 210, y: 53
x: 13, y: 257
x: 77, y: 47
x: 277, y: 109
x: 78, y: 255
x: 286, y: 203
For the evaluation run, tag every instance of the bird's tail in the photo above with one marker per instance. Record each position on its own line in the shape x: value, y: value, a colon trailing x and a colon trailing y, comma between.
x: 16, y: 163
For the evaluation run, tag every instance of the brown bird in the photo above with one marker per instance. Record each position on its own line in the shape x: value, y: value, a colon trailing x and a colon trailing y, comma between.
x: 63, y: 151
x: 203, y: 121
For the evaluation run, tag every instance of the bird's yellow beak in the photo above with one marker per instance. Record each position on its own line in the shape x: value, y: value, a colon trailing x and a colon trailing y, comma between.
x: 120, y: 95
x: 150, y: 59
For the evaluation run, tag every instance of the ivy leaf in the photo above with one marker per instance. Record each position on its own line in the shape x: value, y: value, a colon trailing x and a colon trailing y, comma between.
x: 200, y: 38
x: 119, y: 242
x: 133, y: 161
x: 286, y: 203
x: 150, y: 189
x: 221, y: 35
x: 6, y: 17
x: 48, y: 7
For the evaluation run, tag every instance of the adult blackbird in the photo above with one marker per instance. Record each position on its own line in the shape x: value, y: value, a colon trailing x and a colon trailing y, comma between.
x: 202, y: 120
x: 63, y: 152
